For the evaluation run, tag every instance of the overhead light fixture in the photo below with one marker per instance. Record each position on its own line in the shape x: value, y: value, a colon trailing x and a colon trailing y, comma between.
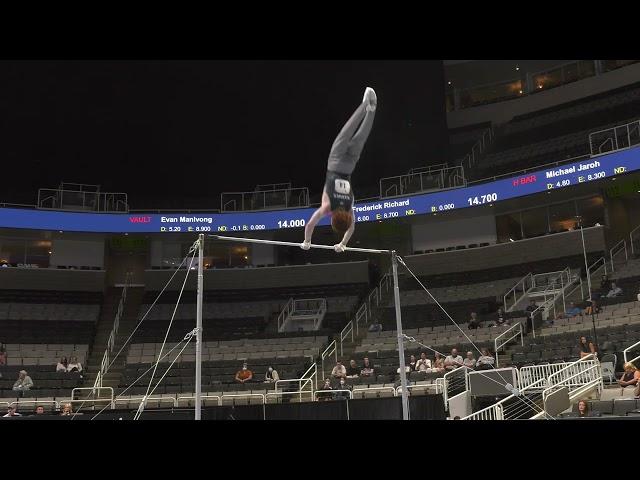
x: 520, y: 92
x: 449, y: 82
x: 517, y: 68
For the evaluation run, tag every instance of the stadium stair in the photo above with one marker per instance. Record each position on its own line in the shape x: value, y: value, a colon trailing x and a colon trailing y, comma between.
x: 103, y: 330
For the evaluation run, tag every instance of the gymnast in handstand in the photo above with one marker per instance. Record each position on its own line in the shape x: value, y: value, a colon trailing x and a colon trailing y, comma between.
x: 337, y: 197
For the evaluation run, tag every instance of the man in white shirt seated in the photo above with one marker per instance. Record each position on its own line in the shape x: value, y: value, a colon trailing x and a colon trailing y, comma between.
x: 423, y: 364
x: 615, y: 291
x: 469, y: 361
x: 453, y: 361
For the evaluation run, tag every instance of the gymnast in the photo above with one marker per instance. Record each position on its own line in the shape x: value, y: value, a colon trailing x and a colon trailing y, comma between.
x: 337, y: 196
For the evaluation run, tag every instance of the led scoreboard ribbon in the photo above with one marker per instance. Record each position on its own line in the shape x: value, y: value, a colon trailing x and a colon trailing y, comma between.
x: 592, y: 169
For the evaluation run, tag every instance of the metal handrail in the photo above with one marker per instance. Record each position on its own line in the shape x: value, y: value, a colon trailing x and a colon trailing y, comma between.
x: 104, y: 364
x: 621, y: 246
x: 192, y: 397
x: 242, y: 395
x: 315, y: 394
x: 284, y: 313
x: 518, y: 331
x: 375, y: 389
x: 450, y: 374
x: 591, y: 273
x: 360, y: 314
x: 20, y: 402
x: 628, y: 349
x: 514, y: 289
x: 331, y: 348
x: 636, y: 229
x: 136, y: 398
x: 437, y: 386
x: 348, y: 329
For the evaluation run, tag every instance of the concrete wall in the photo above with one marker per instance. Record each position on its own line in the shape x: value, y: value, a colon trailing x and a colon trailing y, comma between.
x: 51, y: 279
x: 504, y: 254
x: 268, y: 277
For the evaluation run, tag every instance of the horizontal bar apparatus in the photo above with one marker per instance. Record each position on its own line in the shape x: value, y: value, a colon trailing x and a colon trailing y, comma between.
x: 293, y: 244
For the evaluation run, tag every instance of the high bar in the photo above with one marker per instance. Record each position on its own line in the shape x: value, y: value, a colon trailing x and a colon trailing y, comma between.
x: 293, y: 244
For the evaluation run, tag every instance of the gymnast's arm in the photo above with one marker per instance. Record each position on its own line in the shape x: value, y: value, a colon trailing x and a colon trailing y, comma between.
x: 325, y: 208
x: 349, y: 232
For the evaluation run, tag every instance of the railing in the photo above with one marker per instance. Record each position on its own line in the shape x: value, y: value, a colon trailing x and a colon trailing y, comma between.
x: 497, y: 410
x: 454, y: 381
x: 620, y: 137
x: 234, y: 396
x: 265, y: 199
x: 633, y: 237
x: 344, y: 334
x: 21, y: 402
x: 509, y: 334
x: 423, y: 179
x: 285, y: 313
x: 81, y: 201
x: 203, y: 399
x: 438, y: 387
x: 523, y: 285
x: 357, y: 390
x: 471, y: 158
x: 361, y: 315
x: 635, y: 346
x: 595, y: 267
x: 333, y: 392
x: 617, y: 249
x: 578, y: 377
x: 538, y: 374
x: 170, y: 401
x: 330, y: 350
x: 94, y: 397
x: 312, y: 373
x: 104, y: 364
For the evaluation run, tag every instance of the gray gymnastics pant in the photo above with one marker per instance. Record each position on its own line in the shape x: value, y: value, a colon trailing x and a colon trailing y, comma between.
x: 348, y: 145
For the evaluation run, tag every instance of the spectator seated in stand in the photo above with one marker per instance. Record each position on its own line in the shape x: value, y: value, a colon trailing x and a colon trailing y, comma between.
x: 39, y: 410
x: 339, y: 371
x: 325, y: 396
x: 586, y: 347
x: 353, y: 371
x: 342, y: 386
x: 438, y: 365
x: 244, y: 375
x: 469, y: 361
x: 474, y: 322
x: 66, y: 410
x: 630, y: 379
x: 62, y: 365
x: 271, y: 375
x: 453, y: 361
x: 23, y: 383
x: 413, y: 365
x: 486, y: 361
x: 12, y: 412
x: 500, y: 319
x: 424, y: 364
x: 367, y: 368
x: 572, y: 311
x: 74, y: 365
x: 530, y: 309
x: 583, y: 409
x: 3, y: 354
x: 376, y: 326
x: 593, y: 308
x: 615, y: 291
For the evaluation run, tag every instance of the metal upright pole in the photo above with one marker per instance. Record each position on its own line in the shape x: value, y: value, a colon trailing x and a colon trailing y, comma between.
x: 403, y: 374
x: 199, y: 326
x: 586, y: 266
